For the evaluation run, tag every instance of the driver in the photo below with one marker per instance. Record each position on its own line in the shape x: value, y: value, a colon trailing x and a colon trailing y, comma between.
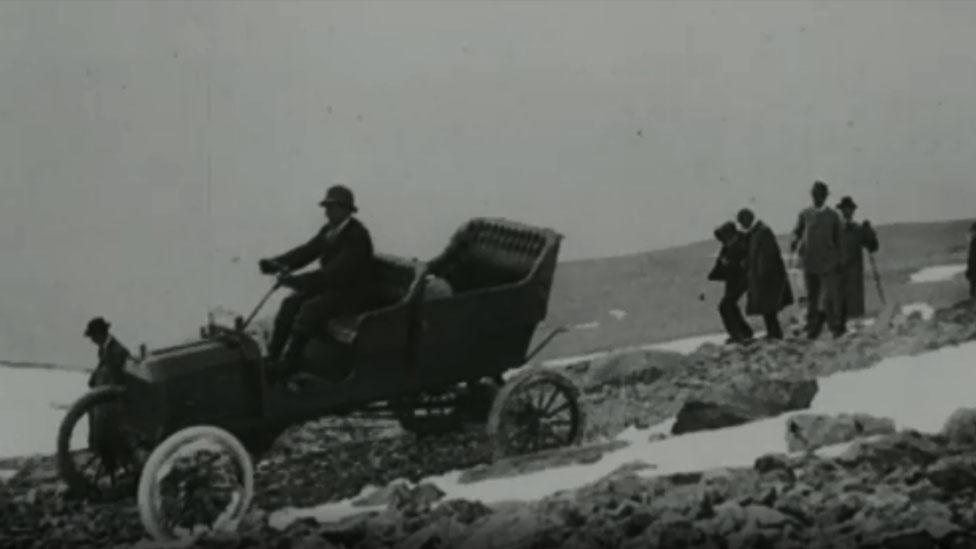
x: 344, y: 250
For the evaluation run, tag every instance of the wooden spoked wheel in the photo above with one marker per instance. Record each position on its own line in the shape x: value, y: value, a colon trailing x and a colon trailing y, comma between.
x: 536, y: 410
x: 104, y: 465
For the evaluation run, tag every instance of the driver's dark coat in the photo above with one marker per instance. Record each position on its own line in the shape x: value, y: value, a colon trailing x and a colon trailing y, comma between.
x: 344, y: 259
x: 112, y: 357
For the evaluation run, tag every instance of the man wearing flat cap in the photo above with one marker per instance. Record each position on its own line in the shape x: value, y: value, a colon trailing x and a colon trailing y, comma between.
x: 339, y: 286
x: 855, y: 238
x: 112, y: 356
x: 817, y: 239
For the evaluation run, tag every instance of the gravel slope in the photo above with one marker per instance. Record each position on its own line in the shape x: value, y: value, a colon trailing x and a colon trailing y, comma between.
x: 325, y: 462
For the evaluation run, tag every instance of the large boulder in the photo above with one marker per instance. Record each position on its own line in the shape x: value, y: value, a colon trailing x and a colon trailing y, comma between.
x: 805, y: 432
x: 961, y: 426
x: 953, y: 473
x: 904, y: 449
x: 742, y: 402
x: 518, y: 527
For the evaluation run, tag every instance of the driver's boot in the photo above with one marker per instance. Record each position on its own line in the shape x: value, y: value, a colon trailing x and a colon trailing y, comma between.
x: 292, y: 361
x: 276, y: 344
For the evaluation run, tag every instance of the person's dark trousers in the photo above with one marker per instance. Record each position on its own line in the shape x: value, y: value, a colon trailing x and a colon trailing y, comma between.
x: 312, y: 316
x: 293, y: 354
x: 841, y: 318
x: 728, y: 308
x: 822, y: 304
x: 773, y: 328
x: 815, y: 317
x: 283, y: 323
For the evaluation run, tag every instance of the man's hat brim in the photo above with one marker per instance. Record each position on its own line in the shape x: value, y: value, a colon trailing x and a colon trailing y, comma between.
x: 351, y: 207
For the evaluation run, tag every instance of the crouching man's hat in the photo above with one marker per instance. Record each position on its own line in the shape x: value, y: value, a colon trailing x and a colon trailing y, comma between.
x: 340, y: 195
x: 725, y: 229
x: 96, y: 325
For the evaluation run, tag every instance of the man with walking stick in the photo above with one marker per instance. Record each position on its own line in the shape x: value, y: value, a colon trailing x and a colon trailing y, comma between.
x: 855, y: 238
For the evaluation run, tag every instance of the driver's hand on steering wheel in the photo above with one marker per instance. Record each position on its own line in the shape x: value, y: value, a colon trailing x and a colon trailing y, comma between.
x: 289, y: 281
x: 268, y: 267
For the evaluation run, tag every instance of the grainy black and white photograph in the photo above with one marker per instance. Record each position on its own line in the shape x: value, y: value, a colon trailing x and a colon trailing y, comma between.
x: 488, y: 274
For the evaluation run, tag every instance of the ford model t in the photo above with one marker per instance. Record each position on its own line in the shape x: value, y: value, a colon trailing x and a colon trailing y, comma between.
x: 188, y: 420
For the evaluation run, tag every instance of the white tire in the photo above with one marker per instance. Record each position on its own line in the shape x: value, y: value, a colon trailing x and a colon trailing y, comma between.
x: 204, y: 438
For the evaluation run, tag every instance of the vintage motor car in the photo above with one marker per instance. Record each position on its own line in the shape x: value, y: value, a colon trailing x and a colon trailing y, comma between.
x: 189, y: 421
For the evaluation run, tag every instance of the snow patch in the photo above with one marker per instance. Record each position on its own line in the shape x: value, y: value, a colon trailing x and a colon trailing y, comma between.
x: 917, y: 392
x: 618, y: 314
x: 329, y: 512
x: 937, y: 273
x: 682, y: 346
x: 688, y: 344
x: 926, y: 310
x: 40, y: 396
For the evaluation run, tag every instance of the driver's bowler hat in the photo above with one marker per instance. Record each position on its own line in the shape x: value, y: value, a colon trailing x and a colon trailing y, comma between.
x: 339, y: 194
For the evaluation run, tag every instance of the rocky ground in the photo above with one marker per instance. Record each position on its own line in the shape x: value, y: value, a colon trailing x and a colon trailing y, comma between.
x: 904, y: 490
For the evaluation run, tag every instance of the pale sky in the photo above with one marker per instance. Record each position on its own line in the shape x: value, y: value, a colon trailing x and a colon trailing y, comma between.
x: 145, y: 145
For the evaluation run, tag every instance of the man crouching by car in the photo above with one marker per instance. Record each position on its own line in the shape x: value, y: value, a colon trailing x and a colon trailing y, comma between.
x: 103, y: 421
x: 338, y: 287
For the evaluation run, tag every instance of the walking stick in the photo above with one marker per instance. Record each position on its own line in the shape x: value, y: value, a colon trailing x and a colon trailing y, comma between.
x: 877, y: 279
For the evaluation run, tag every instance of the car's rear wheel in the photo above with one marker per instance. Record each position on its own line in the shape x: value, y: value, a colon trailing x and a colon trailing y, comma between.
x: 106, y: 465
x: 200, y: 479
x: 536, y: 410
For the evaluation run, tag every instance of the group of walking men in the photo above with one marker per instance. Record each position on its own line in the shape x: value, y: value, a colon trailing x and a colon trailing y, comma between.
x: 830, y: 248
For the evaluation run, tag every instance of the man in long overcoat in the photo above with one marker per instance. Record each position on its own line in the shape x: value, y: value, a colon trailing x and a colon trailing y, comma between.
x: 768, y: 289
x: 855, y: 238
x: 817, y: 239
x: 730, y: 268
x: 344, y: 250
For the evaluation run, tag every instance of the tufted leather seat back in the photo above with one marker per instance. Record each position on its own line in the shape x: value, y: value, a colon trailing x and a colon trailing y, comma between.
x: 488, y: 252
